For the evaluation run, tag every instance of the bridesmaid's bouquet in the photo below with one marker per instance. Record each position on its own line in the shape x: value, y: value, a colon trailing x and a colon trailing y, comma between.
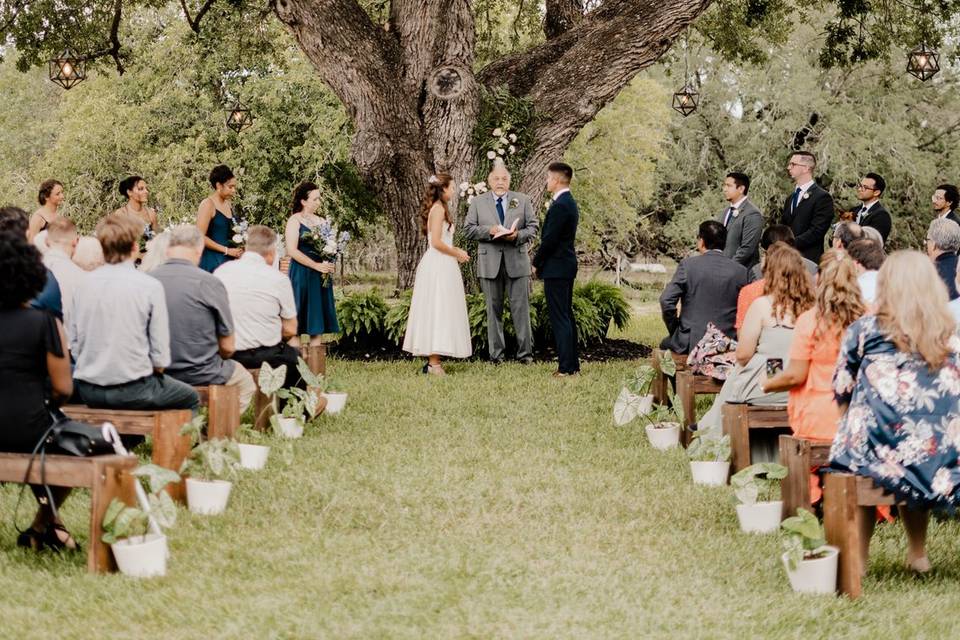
x: 327, y: 242
x: 239, y: 237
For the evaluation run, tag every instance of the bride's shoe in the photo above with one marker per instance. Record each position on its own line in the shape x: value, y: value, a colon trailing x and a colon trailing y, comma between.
x: 436, y: 370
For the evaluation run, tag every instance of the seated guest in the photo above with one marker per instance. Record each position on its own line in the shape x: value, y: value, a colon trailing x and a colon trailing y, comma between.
x: 766, y: 334
x: 33, y: 358
x: 872, y: 234
x: 845, y: 233
x: 742, y: 219
x: 705, y: 288
x: 49, y: 299
x: 771, y: 235
x: 261, y: 300
x: 943, y: 241
x: 119, y: 330
x: 62, y: 242
x: 868, y: 258
x: 871, y: 212
x: 896, y: 384
x: 88, y: 254
x: 201, y: 326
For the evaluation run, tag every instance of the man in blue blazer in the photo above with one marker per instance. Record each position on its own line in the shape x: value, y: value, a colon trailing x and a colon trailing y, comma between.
x: 808, y: 211
x: 556, y: 264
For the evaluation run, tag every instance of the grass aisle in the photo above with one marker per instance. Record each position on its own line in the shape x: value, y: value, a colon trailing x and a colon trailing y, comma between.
x: 498, y: 502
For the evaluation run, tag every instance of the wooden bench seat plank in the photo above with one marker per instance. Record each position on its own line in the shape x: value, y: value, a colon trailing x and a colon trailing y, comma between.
x: 139, y: 423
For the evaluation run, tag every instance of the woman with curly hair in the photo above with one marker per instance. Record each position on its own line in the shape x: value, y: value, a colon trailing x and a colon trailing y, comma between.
x: 437, y: 324
x: 33, y: 350
x: 765, y: 335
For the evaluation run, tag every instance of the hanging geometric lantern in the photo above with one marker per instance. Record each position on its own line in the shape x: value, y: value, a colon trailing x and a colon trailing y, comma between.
x: 686, y: 100
x: 923, y: 62
x: 239, y: 117
x: 67, y: 69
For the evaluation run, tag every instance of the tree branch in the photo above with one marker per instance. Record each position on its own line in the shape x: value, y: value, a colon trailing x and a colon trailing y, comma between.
x: 114, y: 49
x: 562, y: 15
x: 195, y: 22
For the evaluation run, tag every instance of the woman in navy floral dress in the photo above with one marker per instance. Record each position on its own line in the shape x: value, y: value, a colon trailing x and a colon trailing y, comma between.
x: 898, y: 376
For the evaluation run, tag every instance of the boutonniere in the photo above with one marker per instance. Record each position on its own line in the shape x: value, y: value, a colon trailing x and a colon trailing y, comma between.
x: 735, y: 213
x: 514, y: 203
x: 805, y: 195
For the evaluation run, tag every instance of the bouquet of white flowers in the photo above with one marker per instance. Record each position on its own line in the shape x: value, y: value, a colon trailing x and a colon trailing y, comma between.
x: 471, y: 191
x: 239, y: 237
x: 502, y: 143
x: 328, y: 242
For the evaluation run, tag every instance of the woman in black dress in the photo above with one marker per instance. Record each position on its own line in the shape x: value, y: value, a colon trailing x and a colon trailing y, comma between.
x: 33, y: 349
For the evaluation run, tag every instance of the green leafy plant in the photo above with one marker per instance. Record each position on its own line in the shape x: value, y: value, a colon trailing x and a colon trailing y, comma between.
x: 217, y: 459
x: 333, y: 385
x: 121, y: 521
x: 803, y: 538
x: 667, y: 364
x: 634, y: 399
x: 610, y: 303
x: 595, y: 306
x: 758, y: 482
x: 708, y: 449
x: 395, y: 322
x: 362, y: 315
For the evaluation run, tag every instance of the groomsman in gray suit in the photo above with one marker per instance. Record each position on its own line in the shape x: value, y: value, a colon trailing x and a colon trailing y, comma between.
x: 743, y: 221
x: 503, y: 222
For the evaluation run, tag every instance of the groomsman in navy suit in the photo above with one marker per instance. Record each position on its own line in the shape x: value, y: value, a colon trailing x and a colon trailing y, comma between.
x: 556, y: 264
x: 871, y: 212
x: 808, y: 211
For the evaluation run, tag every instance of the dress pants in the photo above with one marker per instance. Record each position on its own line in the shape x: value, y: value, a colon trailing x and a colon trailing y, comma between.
x: 559, y: 296
x: 278, y: 354
x: 518, y: 290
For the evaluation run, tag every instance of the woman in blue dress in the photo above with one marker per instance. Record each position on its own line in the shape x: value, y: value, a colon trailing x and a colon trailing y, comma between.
x: 309, y: 274
x: 215, y: 220
x: 898, y: 379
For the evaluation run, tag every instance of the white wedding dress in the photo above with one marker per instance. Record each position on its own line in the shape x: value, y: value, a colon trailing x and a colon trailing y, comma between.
x: 438, y: 322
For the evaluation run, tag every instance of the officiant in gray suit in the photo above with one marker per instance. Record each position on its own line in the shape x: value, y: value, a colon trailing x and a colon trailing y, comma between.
x: 503, y: 263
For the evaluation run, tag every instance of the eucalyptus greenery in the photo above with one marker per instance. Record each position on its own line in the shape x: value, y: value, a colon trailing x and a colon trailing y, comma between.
x: 758, y: 483
x: 803, y: 537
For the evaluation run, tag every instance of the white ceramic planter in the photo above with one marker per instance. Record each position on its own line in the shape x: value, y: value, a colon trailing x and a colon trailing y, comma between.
x: 290, y: 427
x: 253, y: 456
x: 208, y: 497
x: 141, y: 557
x: 815, y: 576
x: 709, y: 473
x: 760, y: 517
x: 665, y: 436
x: 335, y: 402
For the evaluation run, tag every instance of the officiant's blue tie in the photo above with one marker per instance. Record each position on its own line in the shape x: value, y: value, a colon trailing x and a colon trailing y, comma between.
x: 500, y: 209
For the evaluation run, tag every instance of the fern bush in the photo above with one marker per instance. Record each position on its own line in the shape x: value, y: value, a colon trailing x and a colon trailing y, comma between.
x: 595, y: 306
x: 362, y: 315
x: 609, y: 302
x: 395, y: 322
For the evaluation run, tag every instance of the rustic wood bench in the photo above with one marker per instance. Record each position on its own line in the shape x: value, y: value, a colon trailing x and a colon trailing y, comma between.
x: 800, y: 456
x: 223, y: 410
x: 740, y: 419
x: 163, y: 426
x: 658, y: 388
x: 847, y: 500
x: 107, y: 477
x: 689, y: 386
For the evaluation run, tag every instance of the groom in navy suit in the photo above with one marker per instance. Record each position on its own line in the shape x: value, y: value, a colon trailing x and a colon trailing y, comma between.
x: 556, y: 264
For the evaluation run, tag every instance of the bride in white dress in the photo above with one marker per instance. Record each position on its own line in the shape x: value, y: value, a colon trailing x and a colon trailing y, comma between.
x: 438, y: 325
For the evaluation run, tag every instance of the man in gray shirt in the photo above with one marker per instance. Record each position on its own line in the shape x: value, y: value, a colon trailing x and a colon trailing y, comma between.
x: 120, y: 331
x: 201, y: 325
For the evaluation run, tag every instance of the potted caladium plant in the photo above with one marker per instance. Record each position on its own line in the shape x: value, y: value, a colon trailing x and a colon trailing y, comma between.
x: 335, y: 397
x: 709, y: 458
x: 135, y: 534
x: 810, y: 562
x: 635, y: 398
x: 756, y: 489
x: 209, y: 469
x: 253, y: 453
x: 298, y: 402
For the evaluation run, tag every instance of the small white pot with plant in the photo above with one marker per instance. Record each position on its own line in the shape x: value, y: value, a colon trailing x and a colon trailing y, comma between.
x: 209, y: 469
x: 335, y: 396
x: 135, y: 535
x: 299, y: 403
x: 810, y: 562
x: 635, y: 400
x: 709, y: 458
x: 253, y: 451
x: 756, y: 490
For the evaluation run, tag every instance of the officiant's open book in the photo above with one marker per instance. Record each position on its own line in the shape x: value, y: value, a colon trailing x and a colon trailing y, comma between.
x: 504, y: 231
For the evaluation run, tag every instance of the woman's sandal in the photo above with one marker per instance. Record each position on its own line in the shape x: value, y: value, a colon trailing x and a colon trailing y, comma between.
x: 53, y: 540
x: 31, y: 539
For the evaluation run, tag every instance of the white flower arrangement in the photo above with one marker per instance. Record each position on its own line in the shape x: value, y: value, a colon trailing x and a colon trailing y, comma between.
x: 471, y: 191
x: 502, y: 143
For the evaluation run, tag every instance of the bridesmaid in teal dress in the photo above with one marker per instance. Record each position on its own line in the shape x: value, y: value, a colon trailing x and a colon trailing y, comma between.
x: 316, y: 309
x: 215, y: 220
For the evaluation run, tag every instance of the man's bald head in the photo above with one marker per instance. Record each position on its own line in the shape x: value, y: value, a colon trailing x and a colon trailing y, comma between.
x: 499, y: 178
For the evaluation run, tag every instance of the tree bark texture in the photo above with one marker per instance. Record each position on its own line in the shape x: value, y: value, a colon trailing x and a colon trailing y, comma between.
x: 385, y: 75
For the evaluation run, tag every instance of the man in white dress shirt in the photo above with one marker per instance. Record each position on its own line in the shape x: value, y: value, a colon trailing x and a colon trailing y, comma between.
x: 62, y: 241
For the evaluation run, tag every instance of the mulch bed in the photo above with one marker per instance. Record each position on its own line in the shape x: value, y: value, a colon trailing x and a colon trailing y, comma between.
x: 386, y: 351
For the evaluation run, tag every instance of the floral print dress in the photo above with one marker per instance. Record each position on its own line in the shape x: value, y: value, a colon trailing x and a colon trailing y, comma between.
x: 902, y: 425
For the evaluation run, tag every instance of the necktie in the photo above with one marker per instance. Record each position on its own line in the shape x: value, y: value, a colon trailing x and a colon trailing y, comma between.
x: 726, y: 218
x: 796, y: 198
x: 861, y: 213
x: 500, y: 209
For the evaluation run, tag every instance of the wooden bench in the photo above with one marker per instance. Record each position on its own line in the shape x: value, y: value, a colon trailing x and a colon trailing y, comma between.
x: 689, y: 386
x: 107, y: 477
x: 163, y: 426
x: 223, y: 410
x: 740, y: 419
x: 660, y: 381
x: 847, y: 500
x: 800, y: 456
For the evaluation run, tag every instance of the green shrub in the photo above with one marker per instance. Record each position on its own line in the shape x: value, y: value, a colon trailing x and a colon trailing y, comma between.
x: 595, y: 306
x: 395, y: 322
x: 609, y: 301
x: 362, y: 315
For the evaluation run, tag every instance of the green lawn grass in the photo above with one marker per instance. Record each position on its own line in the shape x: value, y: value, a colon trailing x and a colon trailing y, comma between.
x: 498, y: 502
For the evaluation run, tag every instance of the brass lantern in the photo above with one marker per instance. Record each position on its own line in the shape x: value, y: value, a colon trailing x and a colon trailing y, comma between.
x: 686, y: 100
x: 67, y: 69
x: 239, y: 117
x: 923, y: 62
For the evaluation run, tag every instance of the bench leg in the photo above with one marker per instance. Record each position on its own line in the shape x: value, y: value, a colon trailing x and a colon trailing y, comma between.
x: 843, y: 525
x: 795, y: 488
x: 110, y: 482
x: 170, y: 448
x: 262, y: 412
x: 659, y: 385
x: 223, y: 417
x: 688, y: 404
x: 315, y: 357
x: 736, y: 425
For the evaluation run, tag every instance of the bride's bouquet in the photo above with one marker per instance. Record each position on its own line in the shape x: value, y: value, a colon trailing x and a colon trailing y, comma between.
x: 327, y: 242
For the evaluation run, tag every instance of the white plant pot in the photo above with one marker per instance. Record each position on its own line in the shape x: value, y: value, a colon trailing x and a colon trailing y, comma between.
x: 290, y: 427
x: 709, y: 473
x: 665, y: 436
x: 208, y: 497
x: 336, y: 401
x: 253, y: 456
x: 815, y: 576
x: 760, y: 517
x: 141, y: 557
